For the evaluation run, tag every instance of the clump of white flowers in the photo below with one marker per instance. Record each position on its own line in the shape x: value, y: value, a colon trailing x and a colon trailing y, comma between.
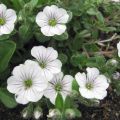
x: 27, y: 83
x: 7, y: 20
x: 118, y: 47
x: 59, y: 84
x: 46, y: 59
x: 93, y: 85
x: 52, y: 20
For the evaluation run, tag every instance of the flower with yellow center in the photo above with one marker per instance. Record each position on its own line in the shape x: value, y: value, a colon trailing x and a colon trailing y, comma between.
x: 52, y: 20
x: 7, y: 20
x: 59, y: 84
x: 93, y: 85
x: 27, y: 83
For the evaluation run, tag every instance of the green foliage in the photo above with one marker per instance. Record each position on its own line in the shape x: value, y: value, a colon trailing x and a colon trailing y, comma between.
x: 90, y: 23
x: 59, y: 102
x: 7, y: 99
x: 7, y: 49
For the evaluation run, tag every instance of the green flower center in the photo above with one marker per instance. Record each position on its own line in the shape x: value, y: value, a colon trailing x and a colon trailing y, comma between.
x: 89, y: 86
x: 58, y: 87
x: 2, y: 21
x: 28, y: 83
x: 42, y: 65
x: 52, y: 22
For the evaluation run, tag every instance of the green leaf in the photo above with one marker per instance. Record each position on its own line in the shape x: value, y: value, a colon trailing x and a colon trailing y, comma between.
x: 7, y: 99
x: 75, y: 85
x: 4, y: 37
x: 7, y: 49
x: 62, y: 37
x: 41, y: 38
x: 67, y: 103
x: 78, y: 60
x: 25, y: 33
x: 18, y: 4
x: 91, y: 47
x: 31, y: 5
x: 63, y: 58
x: 59, y: 102
x: 77, y: 113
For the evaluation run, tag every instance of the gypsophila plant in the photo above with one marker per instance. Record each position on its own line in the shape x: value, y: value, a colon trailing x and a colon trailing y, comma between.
x: 58, y: 54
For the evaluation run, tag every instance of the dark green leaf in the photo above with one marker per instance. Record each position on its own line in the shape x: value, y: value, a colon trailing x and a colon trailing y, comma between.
x: 7, y: 49
x: 7, y: 99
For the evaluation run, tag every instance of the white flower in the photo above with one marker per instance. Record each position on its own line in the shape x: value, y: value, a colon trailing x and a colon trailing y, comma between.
x: 27, y: 83
x: 118, y: 47
x: 52, y: 20
x: 92, y: 85
x: 59, y: 84
x: 7, y: 20
x: 47, y: 60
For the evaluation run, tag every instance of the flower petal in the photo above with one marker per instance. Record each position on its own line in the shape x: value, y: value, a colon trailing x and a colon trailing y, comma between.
x: 2, y: 9
x: 42, y: 19
x: 54, y: 66
x: 92, y: 73
x: 89, y: 94
x: 58, y: 29
x: 7, y: 28
x: 21, y: 98
x: 81, y: 79
x: 50, y: 11
x: 50, y: 94
x: 47, y: 31
x: 10, y: 16
x: 39, y: 52
x: 100, y: 94
x: 51, y: 54
x: 101, y: 82
x: 118, y: 47
x: 33, y: 96
x: 15, y: 85
x: 47, y: 74
x: 62, y: 16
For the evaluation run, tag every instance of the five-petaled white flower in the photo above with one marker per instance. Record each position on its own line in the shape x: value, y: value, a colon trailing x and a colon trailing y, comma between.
x: 118, y: 47
x: 92, y: 85
x: 47, y: 61
x: 59, y: 84
x: 52, y: 20
x: 7, y: 20
x: 27, y: 83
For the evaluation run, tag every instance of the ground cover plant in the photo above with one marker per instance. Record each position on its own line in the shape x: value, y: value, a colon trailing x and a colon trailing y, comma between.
x: 58, y: 57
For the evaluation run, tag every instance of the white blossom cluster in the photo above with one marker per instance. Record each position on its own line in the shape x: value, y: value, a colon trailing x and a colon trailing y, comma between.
x: 43, y: 75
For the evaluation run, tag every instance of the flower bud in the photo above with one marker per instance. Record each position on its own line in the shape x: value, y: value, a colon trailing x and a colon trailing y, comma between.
x: 54, y: 114
x: 25, y: 113
x: 112, y: 62
x: 70, y: 114
x: 74, y: 94
x: 116, y: 75
x: 38, y: 113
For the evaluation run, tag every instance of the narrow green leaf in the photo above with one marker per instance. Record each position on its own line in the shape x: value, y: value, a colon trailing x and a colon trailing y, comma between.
x: 59, y: 102
x: 7, y: 49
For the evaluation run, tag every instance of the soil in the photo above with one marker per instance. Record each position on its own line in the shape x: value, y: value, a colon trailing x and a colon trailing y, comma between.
x: 109, y: 109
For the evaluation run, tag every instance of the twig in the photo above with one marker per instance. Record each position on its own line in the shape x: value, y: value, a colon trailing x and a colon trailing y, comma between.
x: 114, y: 37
